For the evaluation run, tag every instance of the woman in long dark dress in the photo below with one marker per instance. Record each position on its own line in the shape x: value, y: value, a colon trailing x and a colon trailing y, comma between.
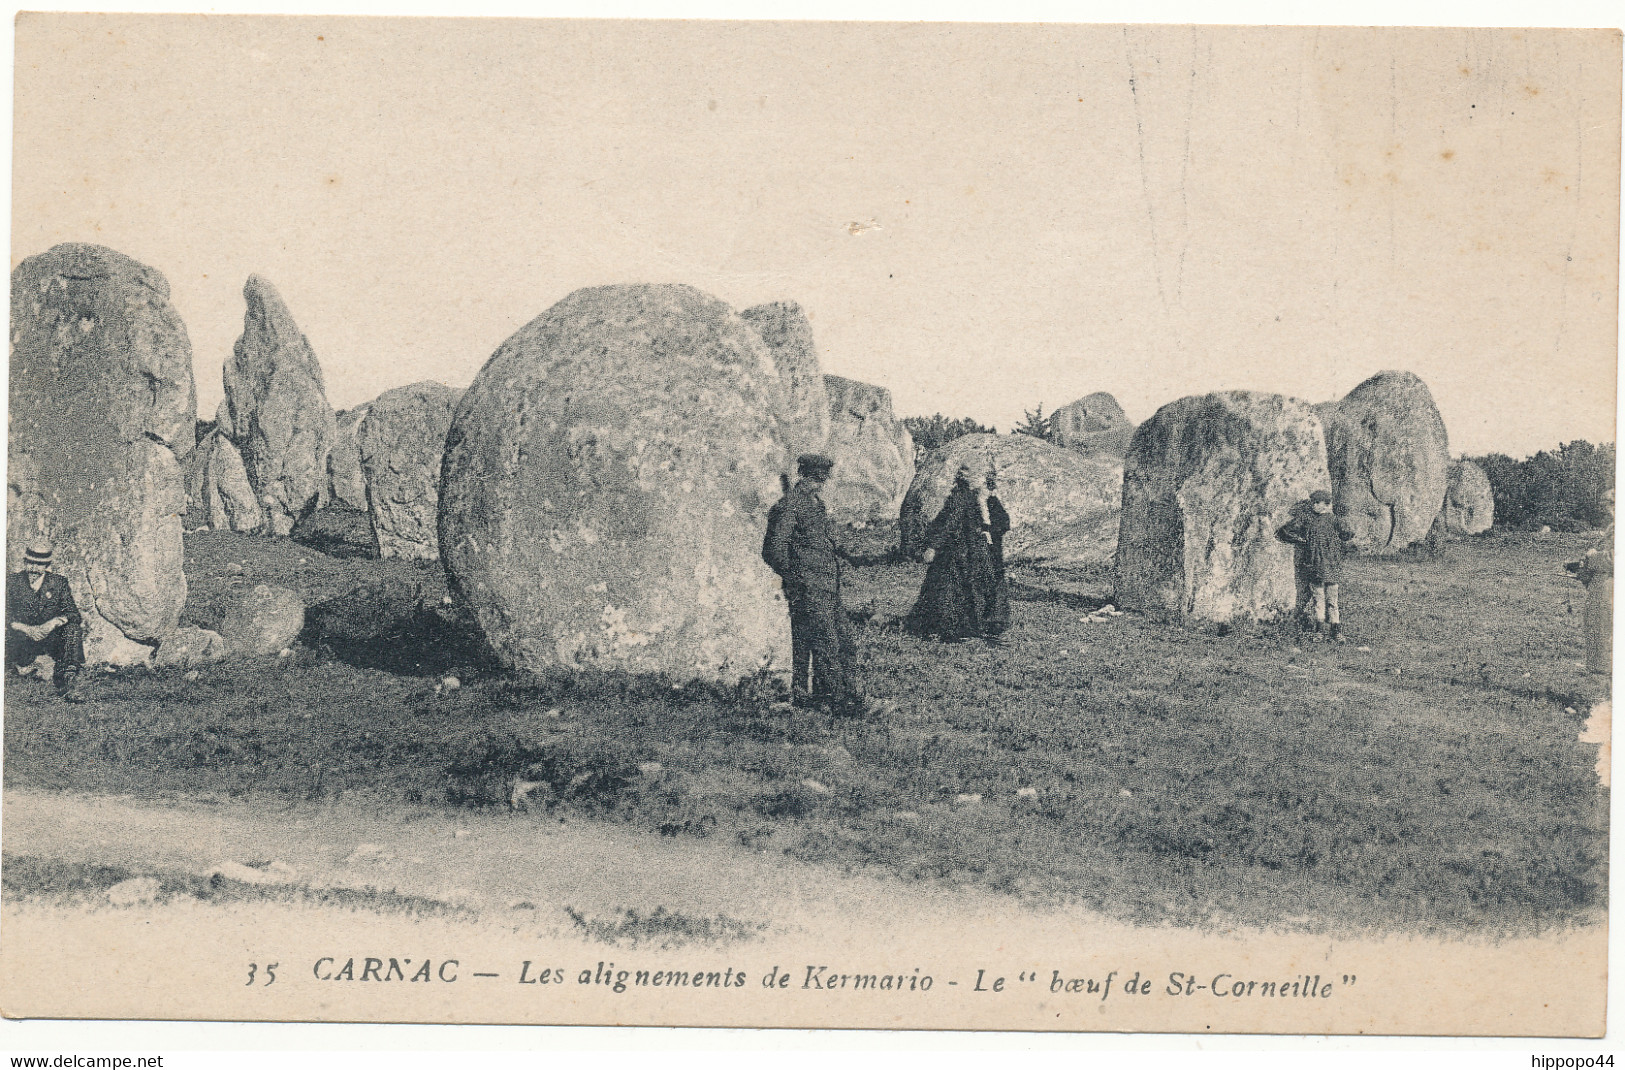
x: 957, y: 600
x: 996, y: 522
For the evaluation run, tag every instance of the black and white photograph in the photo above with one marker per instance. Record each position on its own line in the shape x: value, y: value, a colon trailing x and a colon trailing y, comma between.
x: 838, y: 525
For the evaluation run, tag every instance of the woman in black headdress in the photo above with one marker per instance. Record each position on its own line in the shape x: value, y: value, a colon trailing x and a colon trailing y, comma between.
x: 960, y: 596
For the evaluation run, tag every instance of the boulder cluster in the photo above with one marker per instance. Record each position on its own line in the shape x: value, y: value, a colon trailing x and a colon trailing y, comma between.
x: 597, y: 495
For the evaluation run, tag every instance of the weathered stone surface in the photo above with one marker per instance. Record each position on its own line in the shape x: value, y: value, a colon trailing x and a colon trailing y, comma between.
x: 401, y: 442
x: 262, y: 620
x: 1063, y: 507
x: 1389, y: 459
x: 218, y: 494
x: 872, y: 450
x: 102, y: 412
x: 1207, y: 483
x: 606, y: 486
x: 788, y: 334
x: 185, y: 647
x: 277, y: 409
x: 1095, y: 426
x: 345, y: 482
x: 1469, y: 501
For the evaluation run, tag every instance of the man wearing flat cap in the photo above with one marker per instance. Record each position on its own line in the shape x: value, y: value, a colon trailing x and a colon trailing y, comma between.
x: 801, y: 548
x: 41, y: 617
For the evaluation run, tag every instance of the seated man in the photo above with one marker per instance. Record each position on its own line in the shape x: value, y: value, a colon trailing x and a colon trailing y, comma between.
x: 42, y: 618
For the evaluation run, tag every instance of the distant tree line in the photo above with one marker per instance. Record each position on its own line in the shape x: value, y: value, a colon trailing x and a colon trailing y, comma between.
x: 1561, y: 489
x: 932, y: 432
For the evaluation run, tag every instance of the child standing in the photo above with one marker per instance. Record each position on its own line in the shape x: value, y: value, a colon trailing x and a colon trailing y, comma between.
x: 1321, y: 537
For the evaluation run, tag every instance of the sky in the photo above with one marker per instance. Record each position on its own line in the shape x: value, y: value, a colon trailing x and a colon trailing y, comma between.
x: 981, y: 218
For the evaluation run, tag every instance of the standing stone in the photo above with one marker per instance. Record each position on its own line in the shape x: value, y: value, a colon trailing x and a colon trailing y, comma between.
x: 345, y: 483
x: 1389, y: 459
x: 401, y: 442
x: 103, y: 410
x: 1063, y: 507
x: 1095, y: 426
x: 218, y: 494
x: 872, y: 450
x: 1469, y: 501
x: 606, y: 486
x: 788, y: 334
x: 279, y: 416
x: 1207, y: 483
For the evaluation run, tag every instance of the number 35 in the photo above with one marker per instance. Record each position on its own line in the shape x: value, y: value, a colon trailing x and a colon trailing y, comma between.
x: 270, y: 972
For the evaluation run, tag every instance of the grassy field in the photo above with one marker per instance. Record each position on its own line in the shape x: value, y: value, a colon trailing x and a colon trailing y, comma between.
x: 1424, y: 777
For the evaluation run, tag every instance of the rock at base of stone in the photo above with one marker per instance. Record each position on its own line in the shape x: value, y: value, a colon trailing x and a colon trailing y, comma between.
x: 262, y: 621
x: 1469, y: 501
x: 1207, y: 483
x: 606, y: 486
x: 402, y: 442
x: 872, y: 450
x: 1063, y: 506
x: 186, y: 647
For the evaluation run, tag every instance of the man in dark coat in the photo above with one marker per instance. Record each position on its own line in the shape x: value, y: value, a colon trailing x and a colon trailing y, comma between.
x: 1321, y: 538
x: 958, y: 598
x: 42, y: 618
x: 801, y: 547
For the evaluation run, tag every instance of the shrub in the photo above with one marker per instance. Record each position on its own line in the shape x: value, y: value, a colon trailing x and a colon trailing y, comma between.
x: 935, y: 431
x: 1562, y: 489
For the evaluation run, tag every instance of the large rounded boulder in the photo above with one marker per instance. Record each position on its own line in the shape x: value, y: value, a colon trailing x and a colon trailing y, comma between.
x: 103, y: 411
x: 787, y: 332
x: 401, y: 442
x: 218, y: 494
x: 1063, y: 507
x: 872, y: 450
x: 280, y: 420
x: 606, y: 484
x: 1469, y: 501
x: 1389, y: 459
x: 1207, y: 483
x: 1095, y: 426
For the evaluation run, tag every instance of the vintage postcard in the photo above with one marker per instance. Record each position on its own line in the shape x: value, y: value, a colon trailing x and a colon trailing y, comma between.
x: 809, y: 524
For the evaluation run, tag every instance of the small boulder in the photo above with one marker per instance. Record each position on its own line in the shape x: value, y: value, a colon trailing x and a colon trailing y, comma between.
x: 1389, y: 460
x: 137, y: 891
x: 261, y: 621
x: 1469, y: 501
x: 185, y: 647
x: 1095, y: 426
x: 872, y: 450
x: 1063, y: 507
x: 277, y: 409
x: 1207, y: 483
x: 785, y: 329
x: 402, y: 441
x: 606, y: 484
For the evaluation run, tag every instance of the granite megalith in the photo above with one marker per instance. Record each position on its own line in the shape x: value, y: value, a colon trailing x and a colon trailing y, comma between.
x: 280, y: 420
x: 1389, y: 460
x: 785, y: 329
x: 402, y: 442
x: 103, y: 412
x: 606, y: 483
x: 1207, y: 483
x: 872, y: 450
x: 1095, y: 426
x: 1469, y: 501
x: 1063, y: 507
x: 345, y: 482
x: 218, y: 494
